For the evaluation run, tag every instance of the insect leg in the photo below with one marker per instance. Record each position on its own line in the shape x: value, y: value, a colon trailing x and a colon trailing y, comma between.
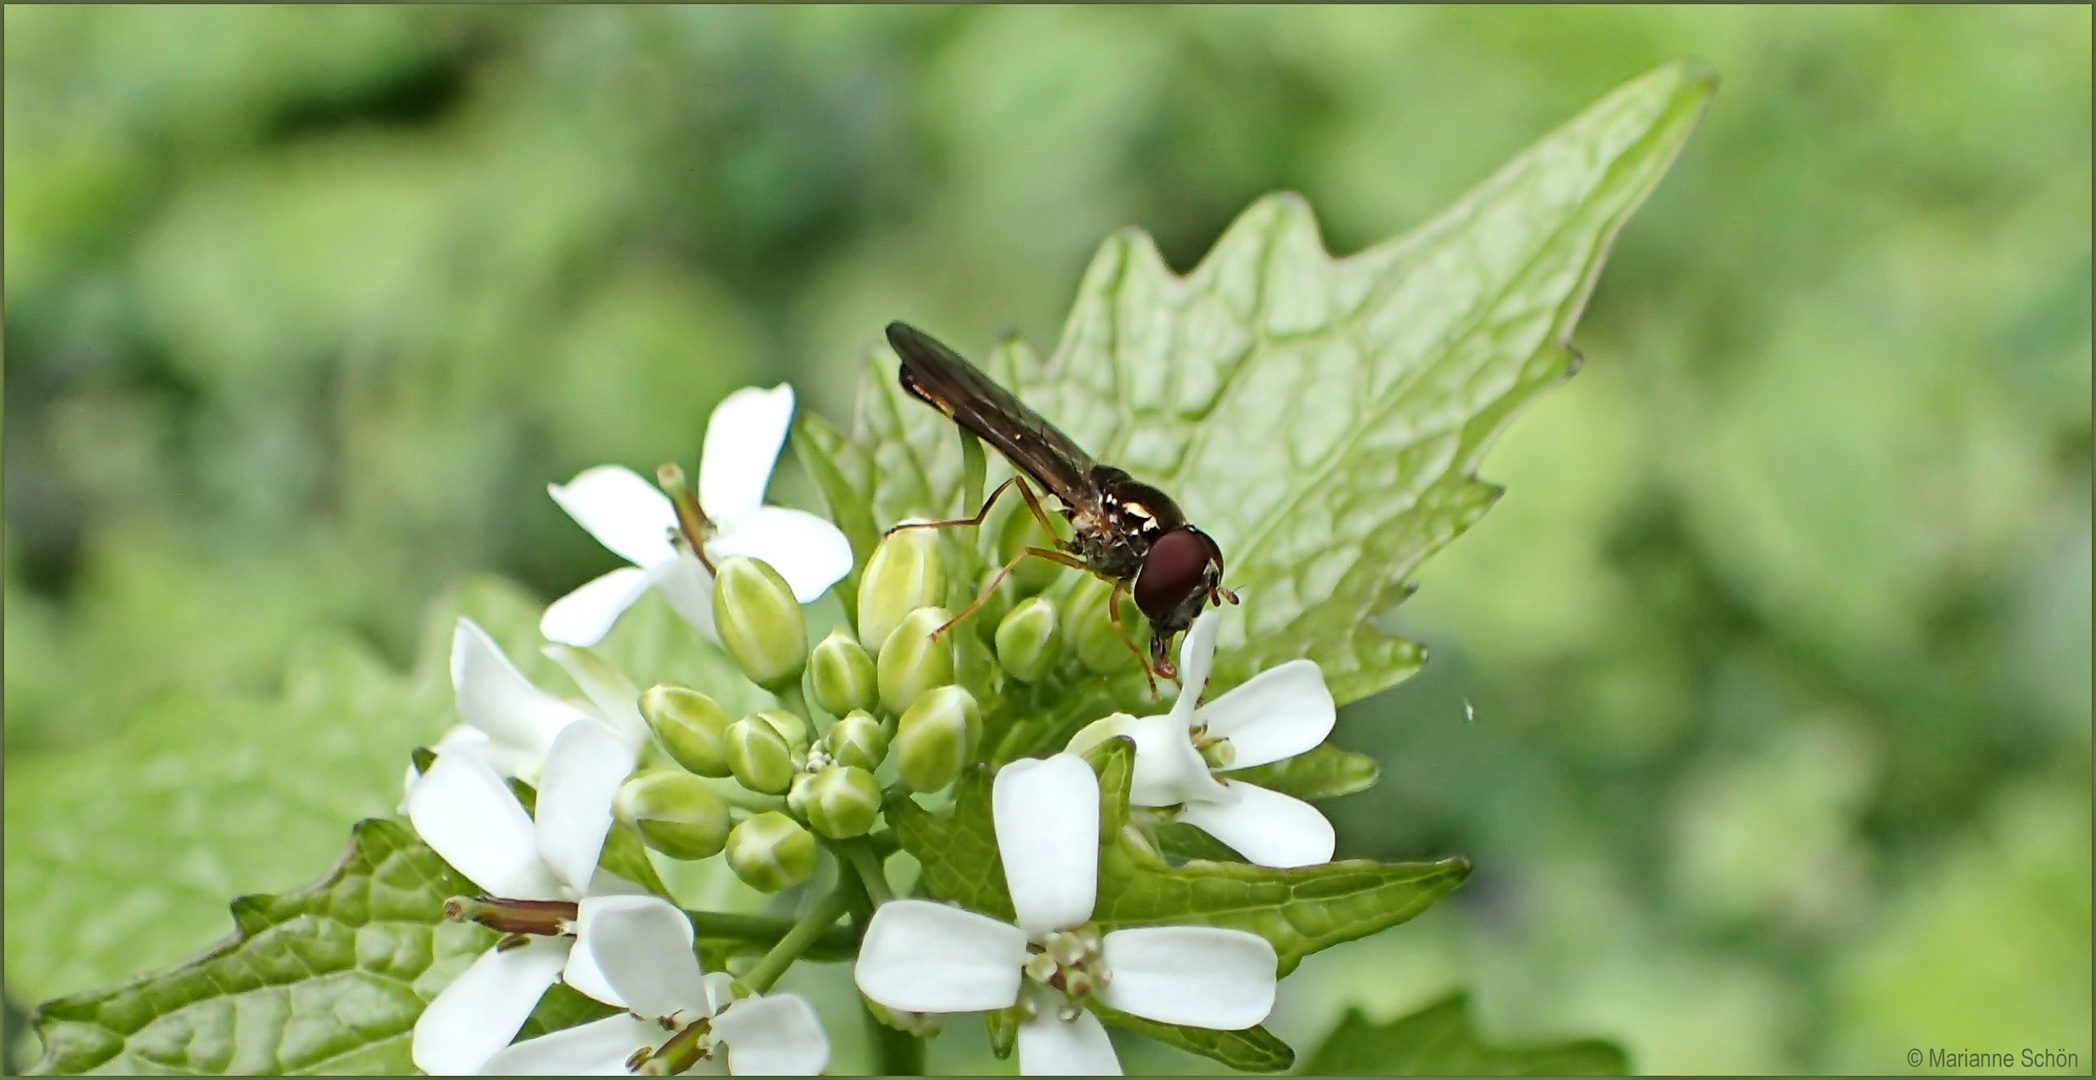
x: 979, y: 514
x: 1113, y: 615
x: 1062, y: 557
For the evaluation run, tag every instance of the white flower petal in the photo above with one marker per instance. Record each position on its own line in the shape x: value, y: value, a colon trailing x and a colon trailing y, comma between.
x: 743, y: 438
x: 586, y: 977
x: 598, y: 1048
x: 1200, y: 976
x: 584, y: 616
x: 1275, y: 714
x: 1046, y: 814
x: 615, y: 697
x: 642, y: 944
x: 495, y: 697
x: 773, y: 1036
x: 626, y: 513
x: 918, y: 956
x: 482, y: 1009
x: 1197, y: 657
x: 810, y: 553
x: 584, y: 769
x: 1099, y: 731
x: 1267, y: 827
x: 1168, y: 770
x: 463, y: 811
x: 1051, y: 1046
x: 684, y: 582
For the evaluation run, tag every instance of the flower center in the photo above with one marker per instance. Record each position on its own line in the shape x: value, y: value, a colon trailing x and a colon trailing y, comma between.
x: 1069, y: 962
x: 1214, y: 749
x: 688, y: 1047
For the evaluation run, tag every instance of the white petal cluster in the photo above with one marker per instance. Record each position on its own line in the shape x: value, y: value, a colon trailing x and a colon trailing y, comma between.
x: 923, y: 957
x: 509, y: 724
x: 1279, y: 713
x: 465, y: 812
x: 637, y: 522
x: 643, y: 945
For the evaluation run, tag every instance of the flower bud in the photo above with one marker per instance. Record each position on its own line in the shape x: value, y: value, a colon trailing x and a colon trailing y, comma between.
x: 675, y: 812
x: 791, y: 728
x: 690, y: 726
x: 903, y: 574
x: 1092, y: 636
x: 758, y: 756
x: 911, y: 661
x: 771, y: 852
x: 841, y: 801
x: 760, y: 622
x: 842, y: 675
x: 1027, y: 639
x: 935, y: 737
x: 857, y: 739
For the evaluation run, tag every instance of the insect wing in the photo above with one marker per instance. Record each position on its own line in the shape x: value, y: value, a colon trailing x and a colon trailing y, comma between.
x: 934, y: 374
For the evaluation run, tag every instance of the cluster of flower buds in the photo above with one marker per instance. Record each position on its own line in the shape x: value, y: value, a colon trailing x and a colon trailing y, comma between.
x: 892, y: 708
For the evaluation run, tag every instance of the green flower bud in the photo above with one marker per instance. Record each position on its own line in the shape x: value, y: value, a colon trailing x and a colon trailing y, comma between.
x: 1027, y: 639
x: 936, y: 736
x: 790, y: 728
x: 771, y: 852
x: 841, y: 801
x: 905, y: 573
x: 911, y: 662
x: 760, y: 622
x: 690, y: 726
x: 676, y: 813
x: 842, y: 674
x: 758, y: 756
x: 857, y: 739
x: 1091, y: 634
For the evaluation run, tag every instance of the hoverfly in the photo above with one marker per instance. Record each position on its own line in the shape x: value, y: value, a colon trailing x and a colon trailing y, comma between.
x: 1122, y: 529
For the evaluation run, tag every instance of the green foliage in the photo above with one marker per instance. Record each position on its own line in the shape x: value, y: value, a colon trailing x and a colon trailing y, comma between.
x: 1323, y: 772
x: 330, y: 978
x: 1322, y: 420
x: 1442, y: 1040
x: 304, y: 308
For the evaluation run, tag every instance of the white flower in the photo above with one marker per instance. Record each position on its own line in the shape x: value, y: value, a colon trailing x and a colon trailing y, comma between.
x: 465, y: 812
x: 1278, y: 713
x: 643, y: 945
x: 924, y: 957
x: 509, y: 724
x: 636, y: 520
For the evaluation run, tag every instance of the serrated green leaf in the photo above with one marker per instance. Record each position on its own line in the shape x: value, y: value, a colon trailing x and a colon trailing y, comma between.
x: 1300, y: 911
x: 1324, y: 772
x: 1253, y: 1049
x: 1323, y: 419
x: 957, y: 847
x: 1442, y: 1040
x: 329, y: 978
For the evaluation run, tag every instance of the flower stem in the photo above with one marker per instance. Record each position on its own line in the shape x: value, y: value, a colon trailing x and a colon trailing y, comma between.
x: 811, y: 926
x: 859, y: 852
x: 795, y: 701
x: 895, y: 1053
x: 835, y: 943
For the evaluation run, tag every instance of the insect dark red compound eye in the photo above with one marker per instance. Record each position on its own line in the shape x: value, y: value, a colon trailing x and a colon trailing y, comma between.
x: 1175, y: 568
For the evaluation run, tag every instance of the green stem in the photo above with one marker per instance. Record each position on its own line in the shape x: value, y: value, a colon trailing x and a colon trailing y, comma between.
x: 818, y: 921
x: 895, y: 1053
x: 973, y: 470
x: 796, y: 701
x: 735, y: 794
x: 836, y: 943
x: 859, y: 853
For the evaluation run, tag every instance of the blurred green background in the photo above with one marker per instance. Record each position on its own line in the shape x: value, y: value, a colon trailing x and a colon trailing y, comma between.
x: 1778, y: 647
